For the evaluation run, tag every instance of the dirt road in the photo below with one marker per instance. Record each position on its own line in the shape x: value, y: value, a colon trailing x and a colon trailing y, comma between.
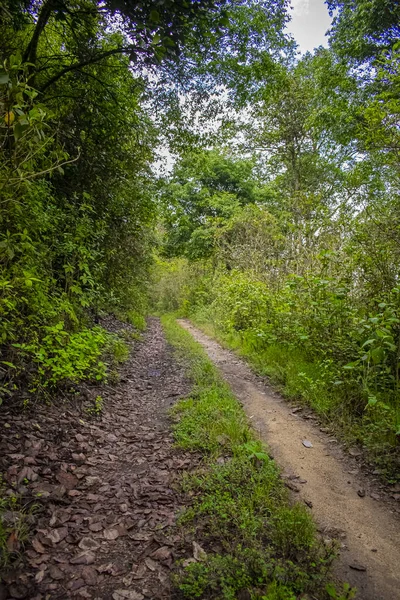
x: 326, y: 479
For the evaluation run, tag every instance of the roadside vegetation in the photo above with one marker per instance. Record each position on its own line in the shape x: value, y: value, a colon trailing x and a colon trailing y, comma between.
x: 285, y: 242
x: 267, y: 548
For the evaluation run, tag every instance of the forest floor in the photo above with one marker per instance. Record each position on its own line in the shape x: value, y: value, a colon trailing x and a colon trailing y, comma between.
x: 103, y: 486
x: 101, y: 490
x: 347, y: 503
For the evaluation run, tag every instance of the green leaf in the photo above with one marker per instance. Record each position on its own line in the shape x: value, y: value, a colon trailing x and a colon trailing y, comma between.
x: 9, y: 364
x: 4, y: 78
x: 19, y: 130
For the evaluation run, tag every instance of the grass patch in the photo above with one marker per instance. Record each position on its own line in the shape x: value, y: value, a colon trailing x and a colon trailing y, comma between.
x: 258, y: 546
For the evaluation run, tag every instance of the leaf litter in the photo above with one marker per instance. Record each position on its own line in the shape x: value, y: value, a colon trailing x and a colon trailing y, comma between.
x: 104, y: 486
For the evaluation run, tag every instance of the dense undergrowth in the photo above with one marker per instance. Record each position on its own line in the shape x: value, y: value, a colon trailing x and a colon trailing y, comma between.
x: 268, y: 548
x: 295, y: 337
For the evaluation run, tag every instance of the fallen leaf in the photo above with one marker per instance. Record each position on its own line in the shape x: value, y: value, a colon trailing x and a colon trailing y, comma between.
x: 355, y: 452
x: 111, y: 534
x: 56, y: 573
x: 89, y: 575
x: 86, y: 558
x: 127, y: 595
x: 198, y: 552
x: 87, y: 543
x: 38, y: 546
x: 139, y: 572
x: 12, y: 542
x: 162, y: 553
x: 67, y: 480
x: 39, y: 576
x: 27, y: 473
x: 150, y: 564
x: 56, y: 535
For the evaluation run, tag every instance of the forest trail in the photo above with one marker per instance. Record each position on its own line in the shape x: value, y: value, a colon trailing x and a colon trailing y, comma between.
x: 323, y: 477
x: 103, y: 486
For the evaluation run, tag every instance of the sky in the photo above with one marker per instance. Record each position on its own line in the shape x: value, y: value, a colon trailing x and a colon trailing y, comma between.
x: 310, y: 21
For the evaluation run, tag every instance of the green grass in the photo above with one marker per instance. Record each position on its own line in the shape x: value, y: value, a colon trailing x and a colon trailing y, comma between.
x: 257, y: 544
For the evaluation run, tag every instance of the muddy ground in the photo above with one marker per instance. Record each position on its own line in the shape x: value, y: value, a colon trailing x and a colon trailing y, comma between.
x: 100, y: 490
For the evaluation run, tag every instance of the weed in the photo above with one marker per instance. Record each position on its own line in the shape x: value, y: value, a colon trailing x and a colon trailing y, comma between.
x: 137, y: 320
x: 97, y: 407
x: 14, y: 525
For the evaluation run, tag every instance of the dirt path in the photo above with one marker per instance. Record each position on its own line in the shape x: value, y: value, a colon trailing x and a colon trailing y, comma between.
x: 326, y: 480
x: 103, y: 486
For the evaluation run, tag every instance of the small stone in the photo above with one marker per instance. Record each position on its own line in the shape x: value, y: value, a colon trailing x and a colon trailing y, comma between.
x: 307, y: 444
x: 357, y: 566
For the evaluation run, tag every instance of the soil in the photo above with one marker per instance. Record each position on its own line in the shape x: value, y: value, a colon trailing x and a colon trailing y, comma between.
x: 99, y: 491
x: 346, y: 503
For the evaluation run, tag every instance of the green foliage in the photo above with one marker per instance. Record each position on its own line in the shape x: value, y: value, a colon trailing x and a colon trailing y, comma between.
x: 97, y: 407
x: 302, y: 276
x: 118, y: 349
x: 270, y: 548
x: 137, y: 320
x: 59, y: 356
x: 206, y: 189
x: 362, y: 28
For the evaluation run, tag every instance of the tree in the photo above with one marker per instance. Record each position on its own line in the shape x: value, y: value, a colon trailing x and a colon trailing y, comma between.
x: 206, y: 189
x: 151, y: 31
x: 362, y: 29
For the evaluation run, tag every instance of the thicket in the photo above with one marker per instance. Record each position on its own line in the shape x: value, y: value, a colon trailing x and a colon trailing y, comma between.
x: 287, y: 242
x: 86, y: 90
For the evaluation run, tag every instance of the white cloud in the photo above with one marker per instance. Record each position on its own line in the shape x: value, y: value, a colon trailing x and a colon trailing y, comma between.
x: 301, y: 7
x: 310, y: 20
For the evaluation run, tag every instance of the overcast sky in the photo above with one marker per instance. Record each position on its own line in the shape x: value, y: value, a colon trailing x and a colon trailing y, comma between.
x: 310, y: 21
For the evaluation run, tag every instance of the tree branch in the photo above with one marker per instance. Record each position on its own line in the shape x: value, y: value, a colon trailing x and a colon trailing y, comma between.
x: 84, y: 63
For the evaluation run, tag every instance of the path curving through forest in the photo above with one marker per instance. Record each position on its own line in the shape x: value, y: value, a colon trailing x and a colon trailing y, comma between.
x: 323, y: 477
